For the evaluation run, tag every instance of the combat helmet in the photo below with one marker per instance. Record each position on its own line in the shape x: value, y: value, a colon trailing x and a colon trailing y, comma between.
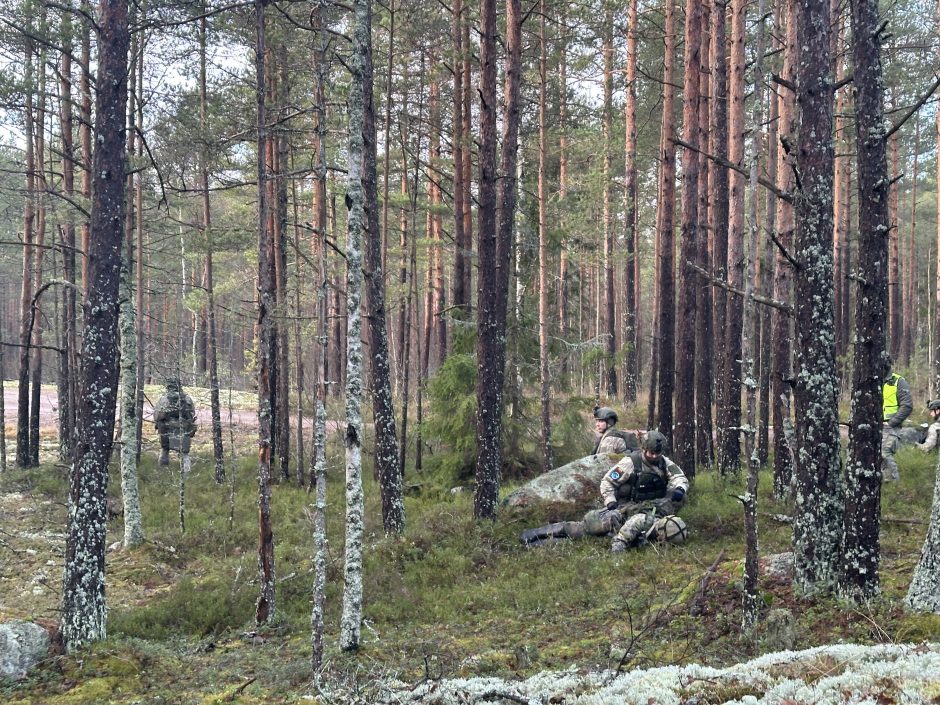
x: 673, y: 529
x: 655, y: 442
x: 933, y: 404
x: 605, y: 413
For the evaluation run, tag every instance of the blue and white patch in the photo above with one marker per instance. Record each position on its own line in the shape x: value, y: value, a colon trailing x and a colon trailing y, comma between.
x: 614, y: 475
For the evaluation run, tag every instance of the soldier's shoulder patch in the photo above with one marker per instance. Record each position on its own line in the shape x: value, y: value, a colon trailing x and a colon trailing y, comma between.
x: 614, y: 475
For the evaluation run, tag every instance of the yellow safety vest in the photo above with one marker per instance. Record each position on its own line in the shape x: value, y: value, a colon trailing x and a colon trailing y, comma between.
x: 890, y: 396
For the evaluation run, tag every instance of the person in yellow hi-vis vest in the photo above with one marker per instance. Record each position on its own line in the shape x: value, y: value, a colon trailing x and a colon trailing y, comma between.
x: 897, y: 404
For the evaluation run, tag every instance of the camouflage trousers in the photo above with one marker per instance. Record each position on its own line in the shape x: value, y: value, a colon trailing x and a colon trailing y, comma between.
x: 630, y: 520
x: 890, y: 440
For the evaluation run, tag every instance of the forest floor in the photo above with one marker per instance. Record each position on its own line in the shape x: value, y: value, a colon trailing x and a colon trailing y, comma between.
x: 457, y: 611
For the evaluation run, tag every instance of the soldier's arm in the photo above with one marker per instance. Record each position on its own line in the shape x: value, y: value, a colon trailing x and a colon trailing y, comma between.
x: 905, y: 404
x: 930, y: 442
x: 615, y: 477
x: 677, y: 478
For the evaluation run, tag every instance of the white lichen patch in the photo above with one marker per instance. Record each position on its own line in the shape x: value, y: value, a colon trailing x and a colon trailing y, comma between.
x: 852, y: 674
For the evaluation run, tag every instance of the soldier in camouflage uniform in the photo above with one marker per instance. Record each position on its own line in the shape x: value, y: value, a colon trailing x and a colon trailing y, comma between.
x: 933, y: 431
x: 175, y: 419
x: 642, y: 494
x: 646, y: 489
x: 609, y: 438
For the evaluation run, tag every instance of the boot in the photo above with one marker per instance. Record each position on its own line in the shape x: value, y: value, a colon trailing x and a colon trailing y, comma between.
x: 558, y: 530
x: 164, y: 457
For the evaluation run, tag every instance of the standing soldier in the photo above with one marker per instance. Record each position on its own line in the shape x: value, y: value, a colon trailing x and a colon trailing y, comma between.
x: 175, y: 419
x: 897, y: 406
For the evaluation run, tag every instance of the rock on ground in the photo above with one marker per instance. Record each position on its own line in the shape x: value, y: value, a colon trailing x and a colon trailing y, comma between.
x: 22, y: 646
x: 576, y: 483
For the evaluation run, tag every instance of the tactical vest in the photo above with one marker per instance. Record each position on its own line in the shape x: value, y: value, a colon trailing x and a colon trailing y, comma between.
x: 890, y: 396
x: 646, y: 483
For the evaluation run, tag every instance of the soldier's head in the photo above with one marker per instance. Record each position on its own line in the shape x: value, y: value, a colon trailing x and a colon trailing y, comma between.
x: 933, y: 407
x: 887, y: 364
x: 654, y: 445
x: 172, y: 384
x: 604, y: 418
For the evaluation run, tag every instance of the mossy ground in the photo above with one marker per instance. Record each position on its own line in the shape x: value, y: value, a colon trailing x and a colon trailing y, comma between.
x: 451, y: 597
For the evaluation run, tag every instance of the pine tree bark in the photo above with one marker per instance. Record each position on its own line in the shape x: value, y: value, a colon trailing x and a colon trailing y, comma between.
x: 631, y: 235
x: 704, y: 444
x: 84, y: 610
x: 665, y: 321
x: 495, y: 245
x: 351, y: 619
x: 265, y: 606
x: 894, y: 263
x: 610, y: 321
x: 817, y: 526
x: 548, y: 455
x: 684, y: 428
x: 861, y: 552
x: 26, y: 292
x: 68, y: 323
x: 781, y: 368
x: 218, y: 452
x: 387, y: 465
x: 459, y: 293
x: 718, y: 211
x: 729, y: 452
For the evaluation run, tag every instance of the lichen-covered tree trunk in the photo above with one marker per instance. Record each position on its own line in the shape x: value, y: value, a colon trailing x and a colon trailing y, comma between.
x: 817, y: 525
x: 387, y: 465
x: 265, y: 607
x: 351, y: 620
x: 894, y: 261
x: 684, y: 434
x: 780, y: 363
x: 496, y: 213
x: 664, y: 332
x: 133, y: 526
x: 923, y: 595
x: 84, y: 610
x: 861, y: 552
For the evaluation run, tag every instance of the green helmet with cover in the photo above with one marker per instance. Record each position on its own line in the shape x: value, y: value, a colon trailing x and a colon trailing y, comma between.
x: 655, y: 442
x: 605, y: 413
x: 933, y: 405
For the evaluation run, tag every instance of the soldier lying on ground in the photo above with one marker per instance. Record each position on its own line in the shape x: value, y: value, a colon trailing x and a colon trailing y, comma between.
x: 642, y: 494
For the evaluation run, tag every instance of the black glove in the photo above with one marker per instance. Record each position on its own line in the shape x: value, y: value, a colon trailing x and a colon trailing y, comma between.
x: 611, y: 505
x: 678, y: 494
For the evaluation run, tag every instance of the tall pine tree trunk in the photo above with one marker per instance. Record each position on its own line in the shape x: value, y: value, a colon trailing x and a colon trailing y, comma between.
x: 387, y: 465
x: 861, y: 551
x: 817, y: 525
x: 684, y: 437
x: 631, y: 236
x: 548, y: 456
x: 265, y: 607
x: 351, y: 619
x: 84, y: 610
x: 664, y: 323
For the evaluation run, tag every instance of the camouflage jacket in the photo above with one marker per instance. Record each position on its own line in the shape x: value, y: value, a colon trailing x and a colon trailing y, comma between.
x: 616, y: 484
x: 616, y: 441
x: 175, y: 413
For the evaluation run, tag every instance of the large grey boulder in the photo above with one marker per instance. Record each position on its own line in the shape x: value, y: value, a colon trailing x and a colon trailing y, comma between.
x: 577, y: 482
x: 22, y: 646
